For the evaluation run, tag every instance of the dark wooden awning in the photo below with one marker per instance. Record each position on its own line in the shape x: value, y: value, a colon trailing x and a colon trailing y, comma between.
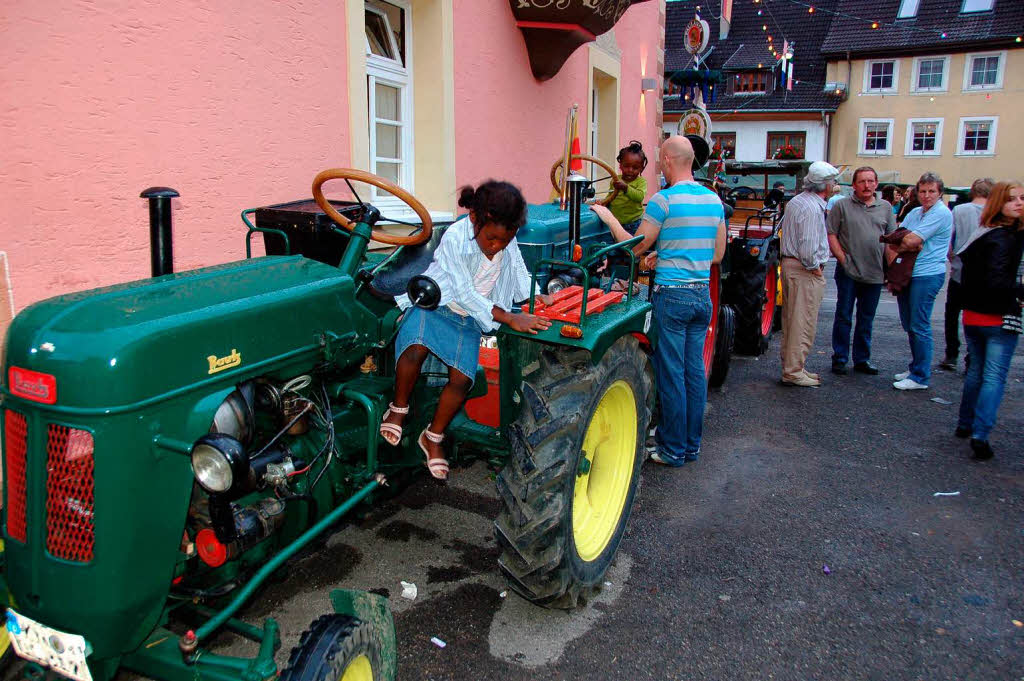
x: 553, y: 29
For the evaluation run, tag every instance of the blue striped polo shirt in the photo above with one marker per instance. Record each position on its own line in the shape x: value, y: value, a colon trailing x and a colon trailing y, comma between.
x: 688, y: 214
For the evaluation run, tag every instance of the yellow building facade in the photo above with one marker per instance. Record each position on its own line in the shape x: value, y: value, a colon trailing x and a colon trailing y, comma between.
x: 953, y: 113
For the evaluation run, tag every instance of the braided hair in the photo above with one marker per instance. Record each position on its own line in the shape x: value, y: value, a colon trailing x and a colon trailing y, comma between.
x: 634, y: 147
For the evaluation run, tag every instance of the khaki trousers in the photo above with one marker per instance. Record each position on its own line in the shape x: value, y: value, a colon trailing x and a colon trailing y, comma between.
x: 802, y: 291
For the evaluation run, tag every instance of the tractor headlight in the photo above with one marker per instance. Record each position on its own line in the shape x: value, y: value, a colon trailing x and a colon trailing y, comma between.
x: 219, y: 463
x: 556, y: 284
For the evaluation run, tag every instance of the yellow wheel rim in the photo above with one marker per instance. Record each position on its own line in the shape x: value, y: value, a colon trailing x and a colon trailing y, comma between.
x: 603, y: 481
x: 358, y: 669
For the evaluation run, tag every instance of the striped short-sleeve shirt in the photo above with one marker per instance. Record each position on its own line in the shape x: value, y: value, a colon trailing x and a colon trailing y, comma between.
x: 689, y: 214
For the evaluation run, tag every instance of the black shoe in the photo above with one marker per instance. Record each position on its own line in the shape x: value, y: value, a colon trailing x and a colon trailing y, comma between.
x: 839, y: 369
x: 980, y: 450
x: 949, y: 364
x: 866, y: 368
x: 962, y: 433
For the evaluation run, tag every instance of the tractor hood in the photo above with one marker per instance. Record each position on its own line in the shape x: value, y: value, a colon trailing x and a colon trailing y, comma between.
x: 118, y: 346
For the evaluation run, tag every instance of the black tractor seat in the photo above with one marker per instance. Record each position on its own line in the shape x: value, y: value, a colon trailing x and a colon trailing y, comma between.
x: 393, y: 277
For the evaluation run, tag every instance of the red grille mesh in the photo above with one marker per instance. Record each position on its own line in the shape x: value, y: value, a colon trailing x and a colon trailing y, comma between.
x: 15, y: 439
x: 69, y: 493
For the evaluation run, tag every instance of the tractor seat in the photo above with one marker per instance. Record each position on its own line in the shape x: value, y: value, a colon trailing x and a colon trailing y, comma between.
x: 392, y: 279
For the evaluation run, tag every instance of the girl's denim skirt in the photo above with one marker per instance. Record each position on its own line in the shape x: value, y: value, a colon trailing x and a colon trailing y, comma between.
x: 452, y: 338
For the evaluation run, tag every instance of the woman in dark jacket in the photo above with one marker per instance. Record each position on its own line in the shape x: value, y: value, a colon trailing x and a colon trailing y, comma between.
x: 993, y: 288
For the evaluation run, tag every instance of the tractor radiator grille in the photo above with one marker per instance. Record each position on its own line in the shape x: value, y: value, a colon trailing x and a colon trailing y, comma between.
x: 69, y: 493
x: 16, y: 442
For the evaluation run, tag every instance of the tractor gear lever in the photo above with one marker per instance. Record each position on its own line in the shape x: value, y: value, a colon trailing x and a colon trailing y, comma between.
x: 424, y: 292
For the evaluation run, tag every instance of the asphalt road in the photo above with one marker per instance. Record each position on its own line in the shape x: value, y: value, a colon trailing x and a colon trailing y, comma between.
x: 721, y: 575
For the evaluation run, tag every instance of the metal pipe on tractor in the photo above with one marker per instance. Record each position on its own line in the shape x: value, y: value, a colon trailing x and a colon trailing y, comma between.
x: 161, y: 252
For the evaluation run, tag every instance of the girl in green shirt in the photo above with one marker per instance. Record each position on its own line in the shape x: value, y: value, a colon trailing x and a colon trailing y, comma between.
x: 628, y: 205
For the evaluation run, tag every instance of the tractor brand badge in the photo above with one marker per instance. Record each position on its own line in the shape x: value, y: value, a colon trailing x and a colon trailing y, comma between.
x: 222, y: 363
x: 696, y: 37
x: 33, y: 385
x: 695, y: 122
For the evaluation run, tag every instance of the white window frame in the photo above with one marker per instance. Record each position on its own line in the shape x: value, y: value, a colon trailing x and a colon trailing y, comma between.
x: 962, y: 131
x: 969, y: 67
x: 908, y: 9
x: 862, y: 137
x: 895, y: 77
x: 964, y: 10
x: 908, y: 147
x: 393, y: 73
x: 916, y: 72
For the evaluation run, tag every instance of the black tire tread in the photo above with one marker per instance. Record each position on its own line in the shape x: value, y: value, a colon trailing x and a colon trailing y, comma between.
x: 328, y: 645
x: 533, y: 527
x: 745, y: 291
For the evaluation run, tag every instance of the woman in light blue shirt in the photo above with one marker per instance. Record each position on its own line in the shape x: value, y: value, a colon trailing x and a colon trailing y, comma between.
x: 481, y: 273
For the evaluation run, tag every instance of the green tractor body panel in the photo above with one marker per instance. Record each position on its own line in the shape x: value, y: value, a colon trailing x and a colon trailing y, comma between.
x: 131, y: 364
x: 114, y: 348
x: 546, y: 235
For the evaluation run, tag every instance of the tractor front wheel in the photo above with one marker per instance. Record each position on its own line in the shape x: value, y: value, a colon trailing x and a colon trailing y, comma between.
x: 568, y: 487
x: 335, y: 648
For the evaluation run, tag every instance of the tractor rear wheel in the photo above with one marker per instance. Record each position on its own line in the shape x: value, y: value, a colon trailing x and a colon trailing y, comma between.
x: 724, y: 341
x: 752, y: 294
x: 335, y: 648
x: 568, y: 487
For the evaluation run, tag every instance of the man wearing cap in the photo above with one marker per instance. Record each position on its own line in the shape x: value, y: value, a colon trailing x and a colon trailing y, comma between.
x: 804, y: 250
x: 685, y: 222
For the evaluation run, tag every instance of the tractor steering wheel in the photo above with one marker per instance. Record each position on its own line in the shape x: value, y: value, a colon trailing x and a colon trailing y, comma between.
x: 596, y: 161
x: 379, y: 182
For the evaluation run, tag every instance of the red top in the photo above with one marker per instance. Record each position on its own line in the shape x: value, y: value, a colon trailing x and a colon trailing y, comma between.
x: 982, y: 319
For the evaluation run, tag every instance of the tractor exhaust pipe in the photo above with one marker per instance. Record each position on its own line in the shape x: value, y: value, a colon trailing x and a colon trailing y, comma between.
x: 161, y: 255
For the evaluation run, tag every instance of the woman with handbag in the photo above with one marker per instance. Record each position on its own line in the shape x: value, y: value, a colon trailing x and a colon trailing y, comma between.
x: 993, y: 290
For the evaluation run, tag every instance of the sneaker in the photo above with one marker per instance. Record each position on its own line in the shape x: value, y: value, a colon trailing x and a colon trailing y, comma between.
x: 909, y: 384
x: 692, y: 457
x: 657, y: 458
x: 803, y: 381
x: 962, y: 433
x: 901, y: 375
x: 981, y: 450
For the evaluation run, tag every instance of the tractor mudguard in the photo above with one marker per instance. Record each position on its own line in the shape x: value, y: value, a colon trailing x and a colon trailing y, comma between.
x: 372, y: 608
x: 601, y: 330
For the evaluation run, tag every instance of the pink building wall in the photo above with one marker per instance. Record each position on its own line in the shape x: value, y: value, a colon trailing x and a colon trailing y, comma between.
x: 234, y: 104
x: 510, y: 126
x: 238, y: 104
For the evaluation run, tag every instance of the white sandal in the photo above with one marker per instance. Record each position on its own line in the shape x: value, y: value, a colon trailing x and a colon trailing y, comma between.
x: 438, y: 467
x: 392, y: 430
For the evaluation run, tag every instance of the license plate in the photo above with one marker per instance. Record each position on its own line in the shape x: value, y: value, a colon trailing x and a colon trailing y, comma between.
x: 63, y: 653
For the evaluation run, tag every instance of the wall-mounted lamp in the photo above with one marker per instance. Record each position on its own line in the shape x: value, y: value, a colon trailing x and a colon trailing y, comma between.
x: 648, y: 84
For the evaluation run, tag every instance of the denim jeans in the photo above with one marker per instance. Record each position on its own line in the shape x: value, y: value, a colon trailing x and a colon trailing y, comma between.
x: 916, y: 302
x: 866, y: 296
x: 954, y: 306
x: 683, y: 315
x: 991, y: 350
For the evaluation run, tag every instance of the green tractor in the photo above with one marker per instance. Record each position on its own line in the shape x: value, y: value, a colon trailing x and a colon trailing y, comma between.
x: 170, y: 443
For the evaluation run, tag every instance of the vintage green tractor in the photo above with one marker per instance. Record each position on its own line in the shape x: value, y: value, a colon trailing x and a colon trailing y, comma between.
x: 169, y: 443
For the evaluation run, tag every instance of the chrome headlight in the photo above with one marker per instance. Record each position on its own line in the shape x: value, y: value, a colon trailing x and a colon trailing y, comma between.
x: 219, y: 463
x: 556, y: 284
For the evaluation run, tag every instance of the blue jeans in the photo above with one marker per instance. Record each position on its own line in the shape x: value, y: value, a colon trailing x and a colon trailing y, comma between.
x: 916, y: 302
x: 991, y: 350
x: 683, y: 315
x: 866, y: 296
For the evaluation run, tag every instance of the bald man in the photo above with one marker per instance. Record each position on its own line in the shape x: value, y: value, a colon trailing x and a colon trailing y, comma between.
x: 685, y: 223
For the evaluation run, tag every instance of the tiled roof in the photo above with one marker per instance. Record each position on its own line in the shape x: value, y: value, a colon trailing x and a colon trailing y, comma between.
x: 746, y: 48
x: 997, y: 28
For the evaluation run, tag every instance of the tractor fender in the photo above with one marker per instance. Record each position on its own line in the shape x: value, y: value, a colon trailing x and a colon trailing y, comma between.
x: 602, y: 330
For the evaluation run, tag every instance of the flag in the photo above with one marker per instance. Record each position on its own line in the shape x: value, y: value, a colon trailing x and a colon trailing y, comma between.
x: 789, y: 74
x: 725, y: 20
x: 575, y: 164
